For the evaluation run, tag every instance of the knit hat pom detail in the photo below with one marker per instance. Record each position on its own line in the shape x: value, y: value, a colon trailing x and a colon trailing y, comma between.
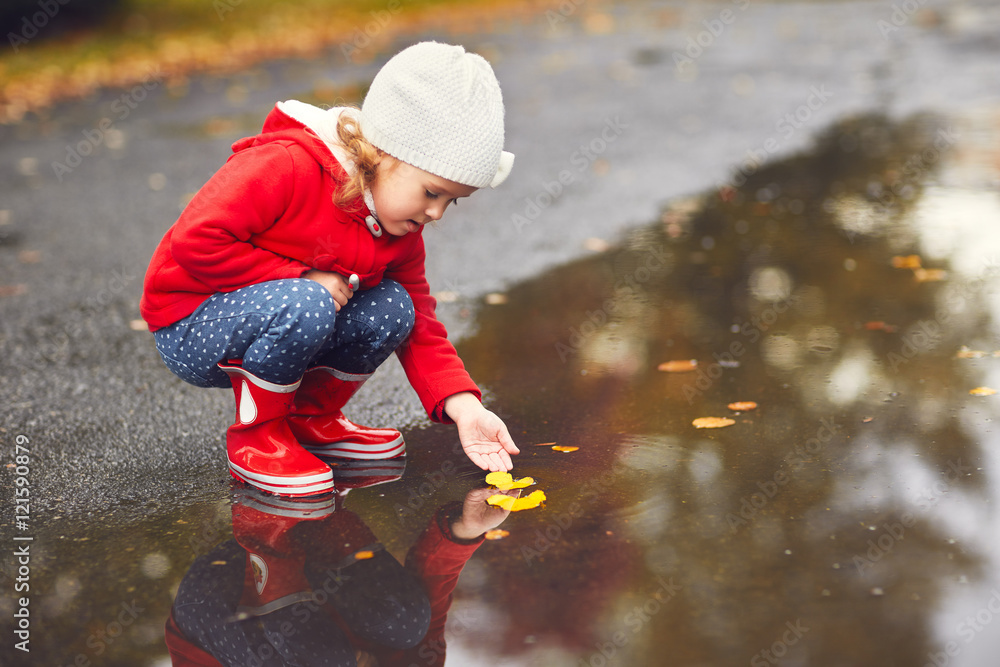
x: 440, y: 109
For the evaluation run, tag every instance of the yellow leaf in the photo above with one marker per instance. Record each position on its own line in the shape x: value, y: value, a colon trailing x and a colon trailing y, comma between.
x: 562, y: 448
x: 680, y: 366
x: 504, y: 481
x: 966, y: 353
x: 929, y: 275
x: 364, y: 555
x: 907, y: 262
x: 496, y: 534
x: 712, y: 422
x: 982, y: 391
x: 743, y: 406
x: 532, y: 500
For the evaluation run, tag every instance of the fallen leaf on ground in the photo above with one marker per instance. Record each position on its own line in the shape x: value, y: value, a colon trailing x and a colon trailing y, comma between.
x: 511, y: 504
x: 929, y: 275
x: 712, y: 422
x: 505, y: 481
x: 564, y: 448
x: 364, y: 555
x: 496, y: 534
x: 13, y: 290
x: 678, y: 366
x: 982, y: 391
x: 545, y: 444
x: 906, y: 262
x: 966, y: 353
x: 867, y: 419
x: 742, y: 406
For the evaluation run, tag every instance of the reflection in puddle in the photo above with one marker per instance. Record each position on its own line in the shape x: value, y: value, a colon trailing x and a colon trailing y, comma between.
x: 848, y: 519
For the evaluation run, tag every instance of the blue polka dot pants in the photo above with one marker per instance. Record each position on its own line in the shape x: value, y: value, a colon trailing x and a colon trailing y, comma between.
x: 281, y: 328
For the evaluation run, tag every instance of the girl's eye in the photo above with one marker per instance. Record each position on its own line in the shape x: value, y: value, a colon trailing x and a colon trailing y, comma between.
x: 431, y: 195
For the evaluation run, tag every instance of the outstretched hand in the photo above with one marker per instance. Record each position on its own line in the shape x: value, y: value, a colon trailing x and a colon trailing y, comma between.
x: 478, y: 517
x: 483, y: 435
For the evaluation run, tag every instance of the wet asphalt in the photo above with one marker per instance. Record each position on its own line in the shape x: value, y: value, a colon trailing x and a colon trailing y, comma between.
x: 612, y: 110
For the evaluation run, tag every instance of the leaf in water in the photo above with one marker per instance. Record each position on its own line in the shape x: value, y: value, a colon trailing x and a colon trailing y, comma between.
x: 907, y: 262
x: 982, y: 391
x: 712, y: 422
x: 364, y: 555
x: 929, y: 275
x: 880, y: 326
x: 678, y: 366
x: 496, y: 534
x: 545, y: 444
x: 742, y: 406
x: 565, y: 449
x: 965, y: 353
x: 505, y: 482
x: 532, y: 500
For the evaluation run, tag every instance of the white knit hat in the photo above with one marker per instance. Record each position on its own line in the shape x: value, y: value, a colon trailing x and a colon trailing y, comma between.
x: 438, y: 108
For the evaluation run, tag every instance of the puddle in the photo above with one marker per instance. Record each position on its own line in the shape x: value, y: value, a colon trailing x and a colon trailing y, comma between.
x: 847, y: 519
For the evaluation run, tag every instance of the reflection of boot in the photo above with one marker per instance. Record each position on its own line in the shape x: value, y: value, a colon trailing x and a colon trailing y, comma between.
x: 360, y: 474
x: 319, y: 424
x: 262, y: 450
x: 274, y: 575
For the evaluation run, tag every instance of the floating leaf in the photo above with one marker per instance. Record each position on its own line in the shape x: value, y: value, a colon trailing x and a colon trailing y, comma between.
x: 982, y: 391
x: 504, y: 481
x: 364, y: 555
x: 906, y: 262
x: 966, y: 353
x: 566, y: 449
x: 867, y: 419
x: 496, y: 534
x: 929, y: 275
x: 678, y: 366
x: 880, y: 326
x: 545, y: 444
x: 712, y: 422
x: 743, y: 406
x: 532, y: 500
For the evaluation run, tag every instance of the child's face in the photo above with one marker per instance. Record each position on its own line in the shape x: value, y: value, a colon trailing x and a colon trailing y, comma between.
x: 406, y: 198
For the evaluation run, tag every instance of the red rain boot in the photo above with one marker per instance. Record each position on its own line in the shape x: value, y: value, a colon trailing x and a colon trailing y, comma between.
x: 262, y: 450
x: 322, y: 428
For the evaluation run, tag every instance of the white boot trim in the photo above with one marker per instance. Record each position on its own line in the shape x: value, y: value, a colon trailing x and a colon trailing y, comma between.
x: 346, y: 377
x: 285, y: 482
x: 263, y: 384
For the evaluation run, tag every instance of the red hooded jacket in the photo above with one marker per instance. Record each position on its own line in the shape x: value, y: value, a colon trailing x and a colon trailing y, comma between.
x: 268, y: 214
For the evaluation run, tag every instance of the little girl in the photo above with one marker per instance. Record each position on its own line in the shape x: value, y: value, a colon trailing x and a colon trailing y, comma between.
x: 299, y: 268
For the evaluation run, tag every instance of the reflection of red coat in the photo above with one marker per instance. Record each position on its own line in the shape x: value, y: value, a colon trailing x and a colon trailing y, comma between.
x: 436, y: 559
x: 268, y: 214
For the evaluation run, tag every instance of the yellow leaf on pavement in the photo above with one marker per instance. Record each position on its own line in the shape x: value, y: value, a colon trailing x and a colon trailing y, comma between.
x: 712, y: 422
x: 532, y: 500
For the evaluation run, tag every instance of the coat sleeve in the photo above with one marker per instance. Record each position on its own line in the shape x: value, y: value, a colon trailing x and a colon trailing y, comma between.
x: 432, y: 365
x: 211, y: 239
x: 437, y: 559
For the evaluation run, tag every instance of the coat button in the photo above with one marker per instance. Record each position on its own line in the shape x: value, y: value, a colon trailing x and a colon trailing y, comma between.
x: 373, y: 226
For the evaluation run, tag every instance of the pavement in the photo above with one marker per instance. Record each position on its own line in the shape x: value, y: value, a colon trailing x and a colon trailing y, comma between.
x: 613, y: 109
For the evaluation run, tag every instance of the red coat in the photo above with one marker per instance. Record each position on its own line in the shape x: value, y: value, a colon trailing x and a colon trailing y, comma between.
x: 268, y: 214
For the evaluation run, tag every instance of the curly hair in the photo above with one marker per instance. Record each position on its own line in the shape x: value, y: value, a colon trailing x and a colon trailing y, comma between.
x: 365, y: 157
